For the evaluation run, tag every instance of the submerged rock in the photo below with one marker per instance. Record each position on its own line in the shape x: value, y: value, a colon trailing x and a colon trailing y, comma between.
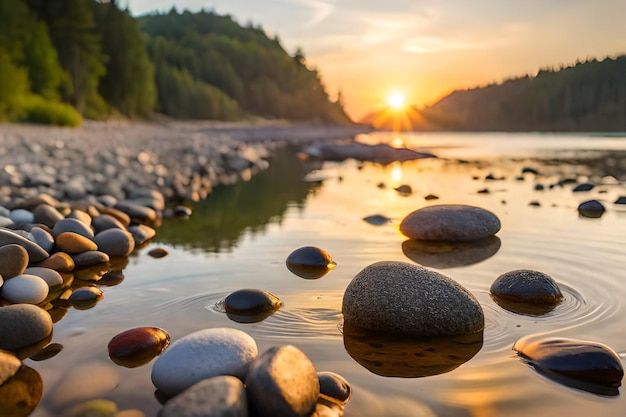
x: 581, y: 364
x: 251, y: 303
x: 138, y: 346
x: 334, y: 388
x: 450, y: 222
x: 527, y: 292
x: 592, y: 208
x: 310, y: 262
x: 402, y: 298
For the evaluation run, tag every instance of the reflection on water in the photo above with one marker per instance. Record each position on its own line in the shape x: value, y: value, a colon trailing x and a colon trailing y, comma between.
x: 249, y: 230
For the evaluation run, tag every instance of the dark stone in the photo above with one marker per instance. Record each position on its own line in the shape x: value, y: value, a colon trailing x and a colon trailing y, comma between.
x: 138, y: 346
x: 580, y: 364
x: 136, y: 212
x: 620, y: 200
x: 404, y: 190
x: 526, y: 291
x: 251, y: 301
x: 530, y: 170
x: 115, y: 242
x: 334, y: 388
x: 106, y: 221
x: 90, y: 258
x: 592, y: 209
x: 282, y: 382
x: 450, y: 222
x: 429, y: 197
x: 583, y: 187
x: 35, y: 252
x: 22, y: 325
x: 402, y: 298
x: 539, y: 187
x: 158, y: 252
x: 377, y: 219
x: 72, y: 225
x: 310, y: 262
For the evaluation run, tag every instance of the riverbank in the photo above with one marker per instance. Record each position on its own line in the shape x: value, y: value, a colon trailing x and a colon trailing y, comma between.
x: 183, y: 160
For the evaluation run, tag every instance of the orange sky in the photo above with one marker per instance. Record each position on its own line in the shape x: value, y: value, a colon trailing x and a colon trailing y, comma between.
x: 425, y: 48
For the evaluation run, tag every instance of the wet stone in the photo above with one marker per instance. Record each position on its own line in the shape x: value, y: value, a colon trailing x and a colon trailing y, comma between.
x: 9, y: 365
x: 513, y: 289
x: 106, y: 221
x: 581, y: 364
x: 334, y: 387
x: 35, y: 252
x: 50, y: 276
x: 43, y: 238
x: 220, y: 396
x: 403, y: 298
x: 282, y: 382
x: 620, y: 200
x: 137, y: 212
x: 591, y: 209
x: 251, y: 301
x: 310, y: 262
x: 450, y: 222
x: 90, y: 258
x: 46, y: 214
x: 377, y: 219
x: 583, y: 187
x: 21, y: 216
x: 59, y: 261
x: 138, y: 346
x: 22, y: 325
x: 141, y: 233
x: 20, y: 395
x: 158, y: 252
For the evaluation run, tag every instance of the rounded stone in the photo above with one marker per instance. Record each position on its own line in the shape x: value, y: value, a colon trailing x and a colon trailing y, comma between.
x: 20, y: 395
x: 203, y: 354
x: 13, y: 260
x: 141, y: 233
x: 591, y: 208
x: 334, y: 387
x: 220, y: 396
x: 51, y: 276
x: 90, y: 258
x: 251, y: 301
x: 115, y: 242
x: 72, y: 225
x: 43, y: 238
x: 282, y: 382
x: 138, y: 346
x: 35, y: 252
x: 582, y: 364
x: 9, y: 365
x: 59, y: 261
x: 137, y: 212
x: 73, y: 243
x: 21, y: 216
x: 158, y: 252
x: 106, y: 221
x: 25, y: 288
x: 513, y: 289
x: 310, y: 262
x: 46, y: 214
x: 450, y: 222
x: 583, y: 187
x: 22, y: 325
x: 402, y: 298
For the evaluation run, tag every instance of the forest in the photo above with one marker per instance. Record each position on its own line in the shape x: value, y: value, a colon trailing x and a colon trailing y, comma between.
x: 65, y: 60
x: 588, y: 96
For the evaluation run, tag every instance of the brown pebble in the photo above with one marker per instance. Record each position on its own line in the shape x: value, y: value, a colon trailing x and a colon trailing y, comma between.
x: 71, y: 242
x: 158, y: 252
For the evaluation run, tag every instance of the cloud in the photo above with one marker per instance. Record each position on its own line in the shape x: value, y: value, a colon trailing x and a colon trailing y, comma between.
x: 321, y: 10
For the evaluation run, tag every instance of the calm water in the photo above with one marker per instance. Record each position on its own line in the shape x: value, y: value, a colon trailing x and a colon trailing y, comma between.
x: 241, y: 236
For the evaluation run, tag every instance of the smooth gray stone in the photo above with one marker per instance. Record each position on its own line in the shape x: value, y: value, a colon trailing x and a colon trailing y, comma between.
x: 90, y: 258
x: 51, y: 276
x: 141, y: 233
x: 13, y: 260
x: 72, y: 225
x: 220, y: 396
x: 282, y: 382
x: 106, y: 221
x: 35, y: 252
x: 22, y: 325
x: 46, y: 214
x: 115, y: 242
x: 21, y: 216
x: 450, y: 222
x: 136, y: 211
x: 407, y: 299
x: 43, y: 238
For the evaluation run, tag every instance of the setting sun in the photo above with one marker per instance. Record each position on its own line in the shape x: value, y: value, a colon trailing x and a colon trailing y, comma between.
x: 396, y: 101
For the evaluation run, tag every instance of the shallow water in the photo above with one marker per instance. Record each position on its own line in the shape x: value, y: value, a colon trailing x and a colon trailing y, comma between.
x: 241, y: 235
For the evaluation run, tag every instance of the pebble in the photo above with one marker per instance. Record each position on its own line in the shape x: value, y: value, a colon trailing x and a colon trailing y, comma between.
x: 310, y: 262
x: 403, y: 298
x: 583, y: 187
x: 50, y: 276
x: 93, y: 408
x: 450, y: 222
x: 72, y: 225
x: 251, y: 301
x: 203, y: 354
x: 25, y: 288
x: 526, y: 291
x: 90, y: 258
x: 377, y: 219
x: 85, y: 297
x: 592, y: 209
x: 334, y: 388
x: 59, y: 261
x: 73, y: 243
x: 13, y: 260
x: 404, y: 190
x: 21, y: 216
x: 282, y: 382
x: 219, y: 396
x: 142, y: 234
x: 620, y: 200
x: 9, y: 365
x: 106, y: 221
x: 137, y: 212
x: 137, y: 346
x: 20, y: 395
x: 22, y: 325
x: 47, y: 215
x: 158, y: 252
x: 35, y: 252
x: 43, y: 238
x: 115, y: 242
x: 582, y: 364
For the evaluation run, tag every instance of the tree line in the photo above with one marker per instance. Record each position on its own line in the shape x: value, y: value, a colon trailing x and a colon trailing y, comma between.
x: 587, y: 96
x: 62, y: 60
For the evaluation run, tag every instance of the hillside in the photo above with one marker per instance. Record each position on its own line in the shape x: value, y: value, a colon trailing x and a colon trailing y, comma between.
x: 62, y: 60
x: 590, y: 96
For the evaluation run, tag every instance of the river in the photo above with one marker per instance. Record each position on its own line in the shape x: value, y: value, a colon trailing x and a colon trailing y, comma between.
x: 241, y: 235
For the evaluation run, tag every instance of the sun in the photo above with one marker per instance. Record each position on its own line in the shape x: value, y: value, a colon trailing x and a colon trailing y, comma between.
x: 396, y: 101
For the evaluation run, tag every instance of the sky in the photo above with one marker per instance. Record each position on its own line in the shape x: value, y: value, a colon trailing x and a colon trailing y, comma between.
x: 424, y: 49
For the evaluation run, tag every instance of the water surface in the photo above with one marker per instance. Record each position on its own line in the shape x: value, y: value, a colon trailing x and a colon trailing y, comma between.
x: 241, y: 235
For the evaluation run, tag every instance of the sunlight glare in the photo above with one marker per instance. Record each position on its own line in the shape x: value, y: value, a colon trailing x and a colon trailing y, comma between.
x: 396, y: 101
x: 396, y: 172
